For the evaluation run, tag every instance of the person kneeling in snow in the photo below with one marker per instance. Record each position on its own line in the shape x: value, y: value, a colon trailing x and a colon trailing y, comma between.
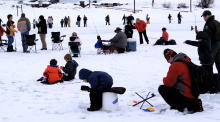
x: 70, y: 68
x: 174, y: 91
x: 99, y: 81
x: 52, y: 73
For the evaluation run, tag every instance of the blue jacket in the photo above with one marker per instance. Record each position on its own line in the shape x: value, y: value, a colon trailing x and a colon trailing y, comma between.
x: 97, y: 79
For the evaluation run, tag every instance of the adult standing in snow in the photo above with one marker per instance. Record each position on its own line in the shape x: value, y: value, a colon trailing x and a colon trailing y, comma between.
x: 140, y: 25
x: 170, y: 18
x: 119, y: 40
x: 129, y: 30
x: 85, y: 21
x: 98, y: 81
x: 42, y: 31
x: 130, y: 19
x: 50, y: 21
x: 10, y: 33
x: 179, y: 16
x: 65, y: 21
x: 69, y: 21
x: 24, y: 26
x: 107, y: 19
x: 212, y: 28
x: 174, y: 91
x: 78, y: 20
x: 124, y: 19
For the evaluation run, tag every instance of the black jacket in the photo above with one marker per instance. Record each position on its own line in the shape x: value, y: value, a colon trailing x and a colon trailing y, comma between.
x: 42, y: 26
x: 71, y: 68
x: 85, y: 18
x: 212, y: 28
x: 204, y: 48
x: 78, y: 18
x: 130, y: 18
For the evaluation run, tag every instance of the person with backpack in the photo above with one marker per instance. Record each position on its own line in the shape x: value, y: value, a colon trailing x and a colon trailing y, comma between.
x: 212, y: 28
x: 24, y: 26
x: 10, y: 33
x: 174, y: 91
x: 70, y: 68
x: 98, y: 81
x: 205, y: 55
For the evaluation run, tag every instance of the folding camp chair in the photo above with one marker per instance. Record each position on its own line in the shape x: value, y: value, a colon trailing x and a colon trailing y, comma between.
x: 74, y: 48
x: 31, y: 42
x: 3, y: 44
x: 57, y: 41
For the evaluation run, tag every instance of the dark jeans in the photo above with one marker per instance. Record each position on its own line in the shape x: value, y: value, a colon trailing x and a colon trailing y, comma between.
x: 10, y: 40
x: 176, y: 101
x: 95, y: 98
x: 23, y: 39
x: 85, y: 24
x: 65, y: 24
x: 107, y: 22
x: 145, y: 37
x: 209, y: 69
x: 61, y: 24
x: 179, y: 21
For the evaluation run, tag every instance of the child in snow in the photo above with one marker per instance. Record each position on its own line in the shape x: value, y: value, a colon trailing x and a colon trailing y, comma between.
x: 205, y: 55
x: 61, y: 22
x: 75, y: 38
x: 99, y: 81
x: 34, y: 23
x: 52, y: 73
x: 98, y: 44
x: 70, y: 68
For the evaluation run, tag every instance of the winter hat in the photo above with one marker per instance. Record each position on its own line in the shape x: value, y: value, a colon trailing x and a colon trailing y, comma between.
x: 163, y: 29
x: 117, y: 29
x: 9, y: 16
x: 131, y: 14
x: 206, y: 12
x: 169, y: 53
x: 84, y: 73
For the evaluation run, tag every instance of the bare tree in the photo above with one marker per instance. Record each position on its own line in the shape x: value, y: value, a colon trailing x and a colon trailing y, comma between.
x: 205, y: 3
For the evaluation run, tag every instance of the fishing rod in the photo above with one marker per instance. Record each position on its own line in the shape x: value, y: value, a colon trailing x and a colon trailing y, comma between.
x: 195, y: 18
x: 95, y: 26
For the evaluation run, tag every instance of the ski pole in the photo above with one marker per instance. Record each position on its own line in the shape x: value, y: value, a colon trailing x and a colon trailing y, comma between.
x: 195, y: 18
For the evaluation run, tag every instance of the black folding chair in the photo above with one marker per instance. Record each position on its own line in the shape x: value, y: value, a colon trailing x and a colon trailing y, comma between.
x: 57, y: 41
x: 31, y: 42
x: 3, y: 44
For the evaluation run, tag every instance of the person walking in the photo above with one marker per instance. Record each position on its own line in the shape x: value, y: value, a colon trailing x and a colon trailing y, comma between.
x: 140, y: 25
x: 85, y: 21
x: 10, y: 33
x: 212, y: 28
x: 24, y: 26
x: 42, y: 31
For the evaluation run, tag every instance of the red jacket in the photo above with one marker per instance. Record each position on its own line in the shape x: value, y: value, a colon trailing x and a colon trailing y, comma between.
x: 53, y: 73
x: 1, y: 31
x: 141, y: 26
x: 165, y: 35
x: 178, y: 72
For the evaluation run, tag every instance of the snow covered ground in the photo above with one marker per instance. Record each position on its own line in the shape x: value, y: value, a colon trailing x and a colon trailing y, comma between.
x: 23, y: 99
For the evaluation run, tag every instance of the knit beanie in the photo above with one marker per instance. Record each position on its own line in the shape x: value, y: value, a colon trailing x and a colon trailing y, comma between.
x: 169, y: 53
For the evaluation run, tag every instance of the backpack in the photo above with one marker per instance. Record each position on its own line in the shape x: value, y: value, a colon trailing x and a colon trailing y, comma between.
x: 199, y: 79
x: 171, y: 42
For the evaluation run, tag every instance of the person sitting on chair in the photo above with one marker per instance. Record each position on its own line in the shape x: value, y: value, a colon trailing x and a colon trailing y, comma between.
x: 75, y: 38
x: 119, y: 40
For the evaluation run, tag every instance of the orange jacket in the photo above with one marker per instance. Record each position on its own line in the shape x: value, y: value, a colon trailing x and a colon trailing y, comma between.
x: 141, y: 26
x: 179, y: 71
x: 53, y: 73
x: 165, y: 35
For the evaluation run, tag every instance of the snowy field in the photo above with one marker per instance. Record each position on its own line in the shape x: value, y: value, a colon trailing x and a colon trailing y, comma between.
x: 23, y: 99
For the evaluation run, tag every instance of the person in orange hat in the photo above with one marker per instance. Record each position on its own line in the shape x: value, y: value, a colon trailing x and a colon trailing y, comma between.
x: 130, y: 19
x: 107, y: 19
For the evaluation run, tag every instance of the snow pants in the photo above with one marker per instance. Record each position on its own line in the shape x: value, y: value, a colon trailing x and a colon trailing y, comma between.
x: 95, y: 98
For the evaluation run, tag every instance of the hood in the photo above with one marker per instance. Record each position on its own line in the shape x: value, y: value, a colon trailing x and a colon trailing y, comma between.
x: 181, y: 56
x: 201, y: 35
x: 84, y: 73
x: 41, y: 17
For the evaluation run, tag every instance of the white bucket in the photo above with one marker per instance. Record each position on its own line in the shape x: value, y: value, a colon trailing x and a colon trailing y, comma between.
x: 131, y: 39
x: 109, y: 101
